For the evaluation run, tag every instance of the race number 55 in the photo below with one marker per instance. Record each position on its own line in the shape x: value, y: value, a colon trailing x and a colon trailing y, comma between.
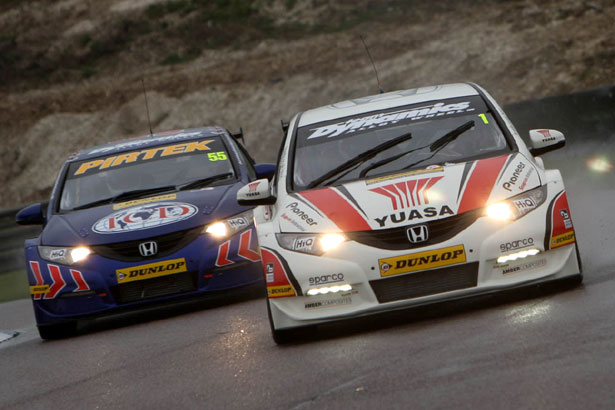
x: 217, y: 156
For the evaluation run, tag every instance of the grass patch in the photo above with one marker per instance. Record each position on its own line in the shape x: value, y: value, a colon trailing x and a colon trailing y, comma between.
x: 14, y: 285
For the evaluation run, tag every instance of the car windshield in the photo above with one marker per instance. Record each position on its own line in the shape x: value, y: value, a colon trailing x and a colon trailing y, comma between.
x: 453, y: 130
x: 126, y: 175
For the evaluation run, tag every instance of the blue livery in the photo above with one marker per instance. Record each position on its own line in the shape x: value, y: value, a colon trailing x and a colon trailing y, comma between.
x: 141, y: 220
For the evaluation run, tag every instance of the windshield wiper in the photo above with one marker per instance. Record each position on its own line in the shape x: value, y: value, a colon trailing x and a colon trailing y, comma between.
x: 126, y: 195
x: 440, y: 142
x: 203, y: 182
x: 443, y: 141
x: 370, y: 153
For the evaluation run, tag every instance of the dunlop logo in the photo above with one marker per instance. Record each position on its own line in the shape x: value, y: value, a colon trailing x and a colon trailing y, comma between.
x: 422, y: 260
x: 151, y: 270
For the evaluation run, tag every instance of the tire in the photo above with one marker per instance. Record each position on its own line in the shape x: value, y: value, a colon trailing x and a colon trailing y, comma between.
x: 57, y: 331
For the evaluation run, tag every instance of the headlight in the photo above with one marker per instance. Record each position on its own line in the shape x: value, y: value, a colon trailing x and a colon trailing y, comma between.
x: 230, y: 226
x: 315, y: 244
x: 64, y: 255
x: 516, y: 207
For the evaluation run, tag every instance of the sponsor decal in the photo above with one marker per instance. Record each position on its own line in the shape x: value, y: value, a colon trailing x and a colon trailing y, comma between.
x: 292, y: 221
x: 129, y: 144
x: 143, y: 155
x: 409, y: 216
x: 38, y: 290
x: 345, y: 300
x: 304, y: 244
x: 322, y: 279
x: 422, y: 260
x: 372, y: 121
x: 561, y: 230
x: 518, y: 244
x: 238, y: 223
x: 127, y: 204
x: 300, y: 213
x: 278, y: 276
x: 526, y: 266
x: 222, y: 259
x: 514, y: 178
x: 409, y: 193
x: 546, y: 135
x: 253, y: 189
x: 144, y: 217
x: 523, y: 204
x: 280, y: 291
x: 427, y: 170
x: 244, y: 250
x: 151, y: 270
x: 561, y: 240
x: 566, y: 218
x: 57, y: 254
x: 269, y: 272
x: 527, y: 178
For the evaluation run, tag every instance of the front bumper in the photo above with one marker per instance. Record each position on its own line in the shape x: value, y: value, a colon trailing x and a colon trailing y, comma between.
x: 463, y: 266
x: 101, y: 285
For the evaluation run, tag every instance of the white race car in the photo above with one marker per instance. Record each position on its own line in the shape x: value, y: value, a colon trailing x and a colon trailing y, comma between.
x: 407, y: 198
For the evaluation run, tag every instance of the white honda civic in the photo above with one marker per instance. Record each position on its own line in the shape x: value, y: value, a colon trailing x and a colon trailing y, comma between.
x: 407, y: 198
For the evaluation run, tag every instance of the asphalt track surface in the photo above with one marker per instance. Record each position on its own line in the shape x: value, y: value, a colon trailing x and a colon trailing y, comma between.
x: 541, y: 348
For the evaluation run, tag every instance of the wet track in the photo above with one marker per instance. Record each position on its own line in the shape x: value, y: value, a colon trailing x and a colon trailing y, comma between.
x: 536, y: 349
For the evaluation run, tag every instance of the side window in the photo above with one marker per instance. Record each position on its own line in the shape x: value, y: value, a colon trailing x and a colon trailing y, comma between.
x: 247, y: 159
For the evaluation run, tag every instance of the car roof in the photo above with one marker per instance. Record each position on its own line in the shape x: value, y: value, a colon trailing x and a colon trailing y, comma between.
x: 385, y: 101
x: 144, y: 141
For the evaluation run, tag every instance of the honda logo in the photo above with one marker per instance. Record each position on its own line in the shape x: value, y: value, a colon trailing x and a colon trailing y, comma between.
x: 418, y: 233
x: 148, y: 248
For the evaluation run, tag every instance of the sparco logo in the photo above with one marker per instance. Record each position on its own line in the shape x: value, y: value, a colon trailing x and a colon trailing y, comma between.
x: 317, y: 280
x: 521, y: 243
x: 387, y: 118
x: 405, y: 194
x: 515, y: 176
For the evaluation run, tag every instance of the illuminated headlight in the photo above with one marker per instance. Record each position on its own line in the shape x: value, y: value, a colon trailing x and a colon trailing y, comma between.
x: 329, y: 289
x: 230, y: 226
x: 315, y: 244
x: 65, y: 256
x: 518, y: 255
x: 517, y: 206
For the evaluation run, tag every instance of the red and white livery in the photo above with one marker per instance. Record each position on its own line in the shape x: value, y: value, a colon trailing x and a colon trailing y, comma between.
x: 407, y: 198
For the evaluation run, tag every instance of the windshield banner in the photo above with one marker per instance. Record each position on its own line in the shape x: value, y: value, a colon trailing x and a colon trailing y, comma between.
x: 93, y: 166
x: 367, y: 122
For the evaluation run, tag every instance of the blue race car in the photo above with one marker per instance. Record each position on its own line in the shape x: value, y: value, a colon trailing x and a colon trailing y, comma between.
x: 141, y: 220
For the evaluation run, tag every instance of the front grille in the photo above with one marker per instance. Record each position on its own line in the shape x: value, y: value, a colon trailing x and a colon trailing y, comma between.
x: 129, y: 251
x: 397, y: 238
x: 431, y: 282
x: 153, y: 288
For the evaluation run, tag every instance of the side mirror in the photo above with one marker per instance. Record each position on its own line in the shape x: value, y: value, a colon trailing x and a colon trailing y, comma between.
x: 30, y: 215
x: 256, y: 193
x: 265, y: 171
x: 543, y: 141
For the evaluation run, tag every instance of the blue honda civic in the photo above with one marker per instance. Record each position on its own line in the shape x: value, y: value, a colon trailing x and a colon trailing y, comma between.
x: 142, y: 220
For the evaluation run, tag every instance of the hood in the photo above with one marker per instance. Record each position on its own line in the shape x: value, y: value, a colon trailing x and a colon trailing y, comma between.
x: 141, y: 218
x: 408, y: 197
